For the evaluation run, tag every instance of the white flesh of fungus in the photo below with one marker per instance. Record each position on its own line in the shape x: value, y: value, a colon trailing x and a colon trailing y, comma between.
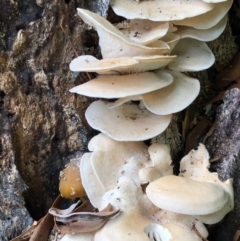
x: 156, y: 10
x: 119, y: 86
x: 127, y: 122
x: 203, y: 34
x: 195, y: 166
x: 209, y: 19
x: 186, y: 196
x: 193, y: 55
x: 171, y: 99
x: 132, y: 222
x: 144, y: 31
x: 113, y: 42
x: 122, y: 65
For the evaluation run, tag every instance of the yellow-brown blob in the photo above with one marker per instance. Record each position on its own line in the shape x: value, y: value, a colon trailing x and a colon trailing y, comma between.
x: 70, y: 185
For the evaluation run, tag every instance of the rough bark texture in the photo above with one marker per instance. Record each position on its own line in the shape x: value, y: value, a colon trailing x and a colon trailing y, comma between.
x: 224, y: 144
x: 42, y: 125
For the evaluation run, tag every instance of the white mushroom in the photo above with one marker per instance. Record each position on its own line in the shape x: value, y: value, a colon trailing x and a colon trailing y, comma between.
x: 119, y: 86
x: 209, y: 19
x: 186, y: 196
x: 113, y: 159
x: 161, y: 163
x: 195, y: 166
x: 113, y: 42
x: 127, y: 122
x: 122, y: 65
x: 92, y: 186
x: 144, y: 31
x: 193, y: 55
x: 132, y: 222
x: 171, y: 99
x: 156, y: 10
x: 203, y: 34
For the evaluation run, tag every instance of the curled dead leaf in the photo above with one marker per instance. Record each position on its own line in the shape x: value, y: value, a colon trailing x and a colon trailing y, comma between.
x: 81, y: 222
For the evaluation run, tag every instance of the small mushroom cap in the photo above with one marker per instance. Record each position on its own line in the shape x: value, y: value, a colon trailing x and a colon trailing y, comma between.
x: 161, y: 163
x: 195, y: 166
x: 186, y: 196
x: 122, y: 65
x: 127, y: 122
x: 143, y: 32
x: 160, y: 10
x: 219, y: 215
x: 89, y: 63
x: 119, y: 86
x: 209, y: 19
x: 112, y: 160
x: 70, y: 185
x: 173, y: 98
x: 113, y: 42
x: 203, y: 34
x: 193, y: 55
x: 93, y: 188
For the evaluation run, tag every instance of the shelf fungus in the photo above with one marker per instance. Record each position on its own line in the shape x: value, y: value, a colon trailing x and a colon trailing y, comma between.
x: 140, y: 85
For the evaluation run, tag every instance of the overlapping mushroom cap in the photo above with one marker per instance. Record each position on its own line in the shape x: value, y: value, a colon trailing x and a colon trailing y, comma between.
x: 108, y: 161
x: 195, y: 191
x: 195, y: 166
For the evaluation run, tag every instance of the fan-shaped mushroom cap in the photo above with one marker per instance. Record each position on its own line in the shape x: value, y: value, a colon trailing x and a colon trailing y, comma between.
x: 219, y: 215
x: 118, y: 86
x: 113, y: 42
x: 78, y: 237
x: 173, y: 98
x: 203, y: 34
x: 195, y: 166
x: 193, y: 55
x: 123, y: 65
x: 90, y: 182
x: 114, y: 159
x: 186, y: 196
x: 209, y: 19
x: 160, y: 10
x: 132, y: 222
x: 144, y: 31
x: 127, y: 122
x: 161, y: 163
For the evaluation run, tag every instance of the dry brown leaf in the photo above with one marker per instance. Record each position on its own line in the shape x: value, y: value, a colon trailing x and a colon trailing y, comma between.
x: 41, y: 230
x: 81, y: 222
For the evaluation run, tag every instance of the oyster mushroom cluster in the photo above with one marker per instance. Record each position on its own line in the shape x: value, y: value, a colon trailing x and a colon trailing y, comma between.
x: 171, y: 208
x: 140, y: 84
x: 143, y: 58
